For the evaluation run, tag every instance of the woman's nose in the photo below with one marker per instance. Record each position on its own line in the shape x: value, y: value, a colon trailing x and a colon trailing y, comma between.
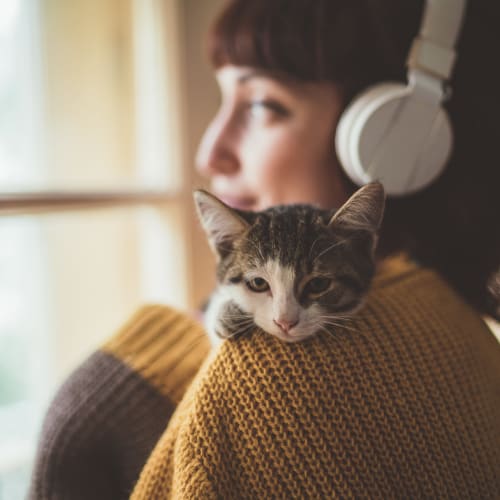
x: 217, y: 152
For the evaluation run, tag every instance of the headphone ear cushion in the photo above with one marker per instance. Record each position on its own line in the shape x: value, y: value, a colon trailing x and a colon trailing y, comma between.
x: 351, y: 122
x: 394, y: 135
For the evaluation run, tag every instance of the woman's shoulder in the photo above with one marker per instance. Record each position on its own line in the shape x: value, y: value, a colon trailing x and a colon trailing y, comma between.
x: 407, y: 389
x: 412, y: 322
x: 406, y: 296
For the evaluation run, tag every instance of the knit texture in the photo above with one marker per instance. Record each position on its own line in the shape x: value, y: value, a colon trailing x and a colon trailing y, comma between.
x: 165, y: 346
x: 106, y: 418
x: 404, y: 402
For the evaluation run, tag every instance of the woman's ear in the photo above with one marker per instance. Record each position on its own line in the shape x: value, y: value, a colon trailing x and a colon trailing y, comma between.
x: 221, y: 223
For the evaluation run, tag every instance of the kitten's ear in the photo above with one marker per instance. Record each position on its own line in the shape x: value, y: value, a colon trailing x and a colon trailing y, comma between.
x: 362, y: 211
x: 221, y: 223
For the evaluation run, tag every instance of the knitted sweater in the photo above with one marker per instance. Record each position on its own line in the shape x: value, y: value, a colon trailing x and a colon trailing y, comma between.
x: 402, y: 403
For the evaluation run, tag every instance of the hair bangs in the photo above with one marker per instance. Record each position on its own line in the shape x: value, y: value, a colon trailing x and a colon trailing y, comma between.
x: 278, y: 35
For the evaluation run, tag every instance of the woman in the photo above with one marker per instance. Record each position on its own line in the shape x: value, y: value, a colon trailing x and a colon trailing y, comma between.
x: 409, y: 405
x: 346, y: 51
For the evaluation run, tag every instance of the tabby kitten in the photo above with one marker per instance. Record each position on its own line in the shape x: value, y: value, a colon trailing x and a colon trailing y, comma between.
x: 290, y: 270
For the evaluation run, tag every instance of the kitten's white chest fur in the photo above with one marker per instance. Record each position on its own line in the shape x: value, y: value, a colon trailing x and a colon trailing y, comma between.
x: 212, y: 315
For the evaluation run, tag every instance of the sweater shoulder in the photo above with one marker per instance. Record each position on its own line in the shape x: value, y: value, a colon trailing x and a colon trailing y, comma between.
x: 164, y: 346
x: 402, y: 401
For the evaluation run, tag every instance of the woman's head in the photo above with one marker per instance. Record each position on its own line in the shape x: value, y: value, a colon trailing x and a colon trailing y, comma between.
x: 323, y: 53
x: 271, y: 141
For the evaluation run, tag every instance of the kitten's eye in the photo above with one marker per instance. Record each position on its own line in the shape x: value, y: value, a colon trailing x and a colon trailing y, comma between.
x: 258, y: 285
x: 317, y: 285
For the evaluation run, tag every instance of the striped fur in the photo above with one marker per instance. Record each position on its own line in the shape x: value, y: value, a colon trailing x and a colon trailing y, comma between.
x: 290, y: 270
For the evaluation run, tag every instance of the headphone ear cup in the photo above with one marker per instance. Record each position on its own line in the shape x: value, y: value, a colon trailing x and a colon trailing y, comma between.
x: 392, y: 135
x: 352, y: 119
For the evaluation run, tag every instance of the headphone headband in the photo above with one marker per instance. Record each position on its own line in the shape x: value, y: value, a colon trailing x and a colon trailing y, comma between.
x: 400, y: 134
x: 432, y: 50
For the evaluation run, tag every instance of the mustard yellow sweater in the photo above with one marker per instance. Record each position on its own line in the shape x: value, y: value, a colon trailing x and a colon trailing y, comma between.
x: 402, y: 403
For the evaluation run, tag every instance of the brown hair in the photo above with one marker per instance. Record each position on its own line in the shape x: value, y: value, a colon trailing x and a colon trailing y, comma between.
x: 452, y: 226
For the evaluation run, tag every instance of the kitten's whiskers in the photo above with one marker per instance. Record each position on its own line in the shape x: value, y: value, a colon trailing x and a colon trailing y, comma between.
x: 239, y: 329
x: 312, y: 246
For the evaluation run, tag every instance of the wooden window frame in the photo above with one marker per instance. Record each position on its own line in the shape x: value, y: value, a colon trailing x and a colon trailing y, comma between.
x: 22, y: 203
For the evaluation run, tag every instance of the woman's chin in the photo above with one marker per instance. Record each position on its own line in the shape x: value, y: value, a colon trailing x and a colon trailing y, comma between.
x: 238, y: 203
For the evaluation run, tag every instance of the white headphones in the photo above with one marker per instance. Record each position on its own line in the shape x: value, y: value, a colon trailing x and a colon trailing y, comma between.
x: 400, y: 134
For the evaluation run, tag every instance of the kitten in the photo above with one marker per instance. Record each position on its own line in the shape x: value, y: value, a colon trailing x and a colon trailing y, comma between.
x: 290, y: 270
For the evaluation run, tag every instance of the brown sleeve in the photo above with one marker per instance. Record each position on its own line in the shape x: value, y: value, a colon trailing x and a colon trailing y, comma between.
x: 105, y: 419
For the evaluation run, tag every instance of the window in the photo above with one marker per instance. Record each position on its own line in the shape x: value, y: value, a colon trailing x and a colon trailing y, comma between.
x: 95, y: 191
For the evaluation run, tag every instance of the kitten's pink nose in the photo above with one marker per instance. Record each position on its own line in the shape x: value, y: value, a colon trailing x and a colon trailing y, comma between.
x: 286, y: 325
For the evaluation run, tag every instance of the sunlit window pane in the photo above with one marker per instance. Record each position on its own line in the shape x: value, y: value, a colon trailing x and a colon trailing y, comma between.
x: 88, y: 96
x: 24, y: 357
x: 20, y: 98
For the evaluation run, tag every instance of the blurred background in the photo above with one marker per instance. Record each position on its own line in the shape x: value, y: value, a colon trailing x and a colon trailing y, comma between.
x: 102, y: 105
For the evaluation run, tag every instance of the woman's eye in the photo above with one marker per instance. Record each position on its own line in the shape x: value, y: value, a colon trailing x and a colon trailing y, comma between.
x: 258, y: 285
x: 317, y: 285
x: 264, y: 108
